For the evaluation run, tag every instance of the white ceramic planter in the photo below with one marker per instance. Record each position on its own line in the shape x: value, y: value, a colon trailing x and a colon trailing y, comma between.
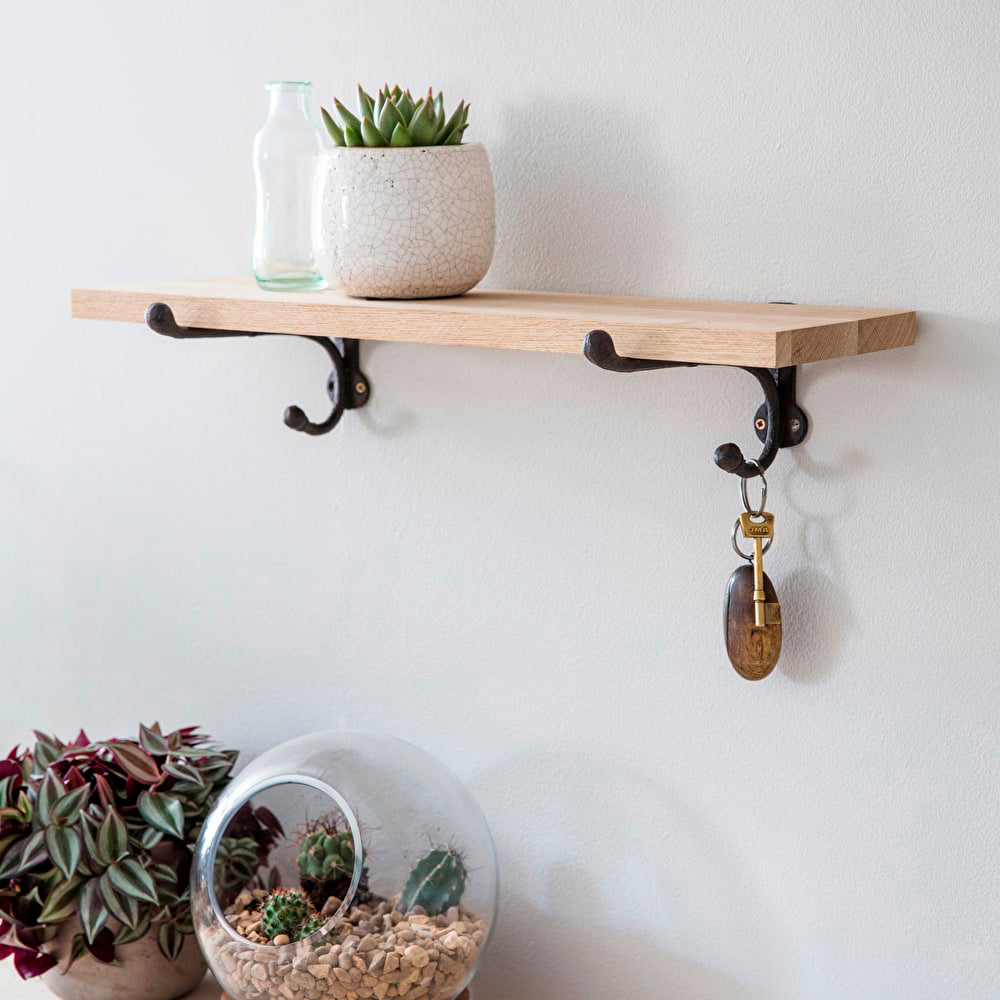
x: 404, y: 223
x: 140, y: 973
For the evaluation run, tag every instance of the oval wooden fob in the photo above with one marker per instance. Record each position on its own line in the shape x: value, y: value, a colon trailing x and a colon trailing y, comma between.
x: 753, y: 651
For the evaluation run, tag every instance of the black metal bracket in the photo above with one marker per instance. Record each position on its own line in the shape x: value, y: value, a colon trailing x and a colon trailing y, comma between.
x: 779, y: 421
x: 347, y: 386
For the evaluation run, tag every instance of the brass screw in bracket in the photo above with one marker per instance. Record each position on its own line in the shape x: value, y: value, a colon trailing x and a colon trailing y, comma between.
x: 760, y: 423
x: 360, y: 387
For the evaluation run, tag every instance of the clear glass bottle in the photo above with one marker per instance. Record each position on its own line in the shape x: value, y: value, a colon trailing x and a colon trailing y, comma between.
x: 285, y: 154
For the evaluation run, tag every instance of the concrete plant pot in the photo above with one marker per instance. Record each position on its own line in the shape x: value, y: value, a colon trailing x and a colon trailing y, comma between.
x: 404, y: 223
x: 141, y: 971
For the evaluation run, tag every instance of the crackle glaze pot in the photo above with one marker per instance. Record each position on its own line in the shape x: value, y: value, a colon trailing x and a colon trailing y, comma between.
x: 141, y: 971
x: 404, y: 223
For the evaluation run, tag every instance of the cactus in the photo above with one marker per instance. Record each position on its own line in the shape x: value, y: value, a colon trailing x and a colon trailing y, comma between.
x: 310, y: 927
x: 327, y: 855
x: 395, y: 119
x: 326, y: 864
x: 436, y: 883
x: 285, y: 911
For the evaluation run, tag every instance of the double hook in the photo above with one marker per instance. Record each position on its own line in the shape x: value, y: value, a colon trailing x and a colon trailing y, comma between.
x: 779, y: 422
x: 347, y: 385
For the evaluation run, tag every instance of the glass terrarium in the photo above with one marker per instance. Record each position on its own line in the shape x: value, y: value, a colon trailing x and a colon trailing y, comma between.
x: 378, y: 877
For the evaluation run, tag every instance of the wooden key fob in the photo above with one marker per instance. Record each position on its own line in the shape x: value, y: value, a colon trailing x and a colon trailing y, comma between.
x: 751, y: 613
x: 753, y: 649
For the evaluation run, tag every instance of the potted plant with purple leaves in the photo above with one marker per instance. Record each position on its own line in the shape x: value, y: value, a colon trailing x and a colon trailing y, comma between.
x: 96, y: 842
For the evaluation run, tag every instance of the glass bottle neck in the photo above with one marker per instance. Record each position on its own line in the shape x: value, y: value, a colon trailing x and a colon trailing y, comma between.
x: 288, y: 98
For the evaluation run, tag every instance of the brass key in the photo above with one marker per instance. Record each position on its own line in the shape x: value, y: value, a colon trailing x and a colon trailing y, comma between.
x: 758, y: 527
x: 751, y: 612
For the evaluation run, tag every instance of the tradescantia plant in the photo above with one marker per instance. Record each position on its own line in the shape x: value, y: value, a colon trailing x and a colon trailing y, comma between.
x: 105, y: 832
x: 394, y: 118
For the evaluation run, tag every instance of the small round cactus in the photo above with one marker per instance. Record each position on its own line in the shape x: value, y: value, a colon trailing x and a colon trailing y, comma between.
x: 284, y: 911
x: 327, y: 855
x: 436, y: 882
x: 394, y: 118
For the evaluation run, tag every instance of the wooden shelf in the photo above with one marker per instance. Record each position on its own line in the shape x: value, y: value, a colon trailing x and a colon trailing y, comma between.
x: 707, y: 332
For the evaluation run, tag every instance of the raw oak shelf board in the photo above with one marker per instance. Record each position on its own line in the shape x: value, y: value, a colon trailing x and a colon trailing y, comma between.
x: 707, y: 332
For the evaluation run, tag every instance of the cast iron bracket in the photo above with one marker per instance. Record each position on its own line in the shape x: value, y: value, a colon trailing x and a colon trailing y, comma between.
x: 347, y: 386
x: 779, y: 421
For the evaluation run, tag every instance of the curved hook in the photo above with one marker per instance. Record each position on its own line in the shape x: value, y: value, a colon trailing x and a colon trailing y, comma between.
x: 346, y: 389
x: 335, y: 386
x: 599, y: 349
x: 729, y: 457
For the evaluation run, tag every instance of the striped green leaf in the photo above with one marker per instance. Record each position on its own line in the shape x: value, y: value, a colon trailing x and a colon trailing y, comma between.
x: 121, y: 905
x: 131, y: 878
x: 171, y: 941
x: 112, y: 838
x: 91, y: 910
x: 152, y: 741
x: 65, y: 848
x: 61, y: 902
x: 66, y: 810
x: 163, y: 812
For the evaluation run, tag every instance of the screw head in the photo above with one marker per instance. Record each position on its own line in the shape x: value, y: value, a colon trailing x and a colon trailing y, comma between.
x: 795, y: 424
x: 360, y: 387
x: 760, y: 423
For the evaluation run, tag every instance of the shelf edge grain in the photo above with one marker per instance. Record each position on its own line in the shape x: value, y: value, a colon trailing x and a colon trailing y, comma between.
x: 755, y: 334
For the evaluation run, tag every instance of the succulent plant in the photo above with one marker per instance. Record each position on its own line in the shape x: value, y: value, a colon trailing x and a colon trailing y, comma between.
x: 285, y: 911
x: 326, y: 863
x: 327, y: 855
x: 436, y: 882
x: 394, y: 118
x: 108, y: 829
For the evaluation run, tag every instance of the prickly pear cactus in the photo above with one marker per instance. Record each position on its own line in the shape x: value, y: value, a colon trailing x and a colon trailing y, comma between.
x: 436, y: 882
x: 327, y: 855
x: 284, y: 911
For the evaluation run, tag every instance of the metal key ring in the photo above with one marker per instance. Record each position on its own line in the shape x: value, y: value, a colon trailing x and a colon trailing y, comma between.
x: 763, y: 490
x: 739, y: 551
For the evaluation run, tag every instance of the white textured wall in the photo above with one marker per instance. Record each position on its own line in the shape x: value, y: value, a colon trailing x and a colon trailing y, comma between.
x: 516, y: 560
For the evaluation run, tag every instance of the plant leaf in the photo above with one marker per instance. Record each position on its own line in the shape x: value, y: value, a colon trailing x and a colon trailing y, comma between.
x: 91, y: 910
x: 51, y: 791
x: 124, y: 907
x: 135, y: 761
x: 390, y: 117
x: 406, y: 106
x: 103, y: 947
x: 352, y: 135
x: 64, y: 847
x: 171, y: 941
x: 336, y: 132
x: 131, y: 878
x: 112, y: 838
x: 61, y: 904
x: 152, y: 741
x: 78, y: 950
x: 400, y: 137
x: 371, y: 135
x: 150, y: 838
x: 127, y: 936
x: 164, y: 812
x: 350, y: 120
x: 455, y: 136
x: 365, y: 103
x: 421, y: 127
x: 66, y: 810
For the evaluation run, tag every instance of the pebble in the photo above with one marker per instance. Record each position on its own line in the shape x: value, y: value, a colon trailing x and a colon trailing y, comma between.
x: 383, y: 955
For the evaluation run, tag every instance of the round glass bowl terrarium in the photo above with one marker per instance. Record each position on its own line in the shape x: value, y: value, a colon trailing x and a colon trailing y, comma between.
x: 377, y: 877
